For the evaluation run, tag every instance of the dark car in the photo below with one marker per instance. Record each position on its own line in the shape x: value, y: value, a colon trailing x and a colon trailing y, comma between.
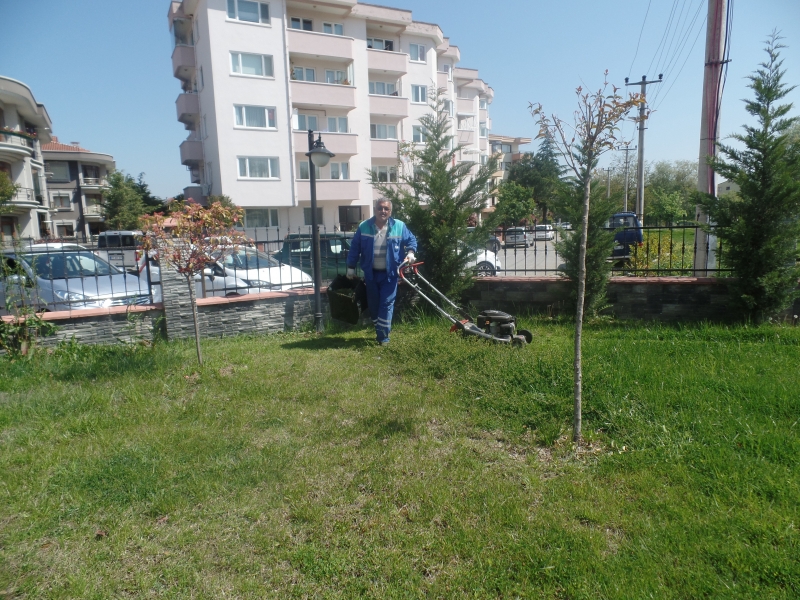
x: 333, y: 249
x: 627, y: 233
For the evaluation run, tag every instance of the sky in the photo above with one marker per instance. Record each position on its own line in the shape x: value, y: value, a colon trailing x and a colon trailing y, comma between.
x: 102, y: 68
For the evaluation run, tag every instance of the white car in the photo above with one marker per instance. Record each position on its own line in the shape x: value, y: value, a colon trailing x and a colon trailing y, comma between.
x: 260, y: 270
x: 544, y: 232
x: 485, y: 263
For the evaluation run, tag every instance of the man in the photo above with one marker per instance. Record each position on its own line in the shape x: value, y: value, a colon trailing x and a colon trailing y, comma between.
x: 383, y: 244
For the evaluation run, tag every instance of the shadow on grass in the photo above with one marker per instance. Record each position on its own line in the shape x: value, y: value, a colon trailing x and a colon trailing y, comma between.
x: 328, y: 342
x: 88, y: 363
x: 382, y: 427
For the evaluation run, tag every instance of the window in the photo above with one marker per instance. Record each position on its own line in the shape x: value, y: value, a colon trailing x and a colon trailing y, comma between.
x: 447, y: 68
x: 337, y: 124
x: 419, y: 94
x: 337, y: 77
x: 246, y: 10
x: 91, y: 171
x: 258, y: 167
x: 419, y: 134
x: 261, y: 217
x: 484, y: 159
x: 307, y: 218
x: 448, y: 107
x: 483, y: 130
x: 482, y: 104
x: 59, y: 170
x: 202, y: 81
x: 382, y: 89
x: 260, y: 117
x: 65, y: 230
x: 94, y: 200
x: 379, y: 44
x: 378, y: 131
x: 258, y: 65
x: 333, y: 28
x: 303, y: 172
x: 385, y: 174
x: 340, y: 170
x: 303, y: 74
x: 304, y: 24
x: 61, y: 200
x: 306, y: 122
x: 416, y: 52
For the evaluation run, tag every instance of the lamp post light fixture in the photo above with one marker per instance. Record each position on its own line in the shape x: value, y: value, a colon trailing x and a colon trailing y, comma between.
x: 319, y: 156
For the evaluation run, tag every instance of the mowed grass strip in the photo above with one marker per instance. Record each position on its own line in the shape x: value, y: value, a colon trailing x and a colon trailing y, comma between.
x: 438, y: 467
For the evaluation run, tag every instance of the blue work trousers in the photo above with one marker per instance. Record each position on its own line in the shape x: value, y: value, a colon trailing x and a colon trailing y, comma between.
x: 381, y: 292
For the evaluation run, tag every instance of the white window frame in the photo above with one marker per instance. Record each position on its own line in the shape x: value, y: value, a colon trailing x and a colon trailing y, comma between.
x: 261, y: 7
x: 301, y: 21
x: 305, y: 71
x: 305, y: 117
x: 419, y: 91
x: 272, y: 161
x: 371, y: 44
x: 390, y: 171
x: 338, y: 123
x: 420, y: 50
x: 271, y: 214
x: 418, y: 134
x: 375, y: 128
x: 333, y: 27
x: 484, y: 132
x: 483, y: 104
x: 373, y: 88
x: 240, y: 109
x: 304, y: 164
x: 266, y: 59
x: 337, y: 80
x: 342, y: 170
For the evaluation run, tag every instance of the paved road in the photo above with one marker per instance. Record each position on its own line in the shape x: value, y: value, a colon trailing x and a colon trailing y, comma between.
x: 541, y: 259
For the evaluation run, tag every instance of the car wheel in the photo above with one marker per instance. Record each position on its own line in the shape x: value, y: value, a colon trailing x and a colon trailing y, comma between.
x: 484, y: 269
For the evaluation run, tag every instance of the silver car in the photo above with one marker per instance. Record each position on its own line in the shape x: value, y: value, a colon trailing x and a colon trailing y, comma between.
x: 518, y: 236
x: 67, y: 279
x: 261, y: 271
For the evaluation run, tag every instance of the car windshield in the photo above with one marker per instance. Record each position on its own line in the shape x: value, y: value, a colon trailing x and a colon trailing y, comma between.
x: 68, y: 265
x: 249, y: 259
x: 618, y: 221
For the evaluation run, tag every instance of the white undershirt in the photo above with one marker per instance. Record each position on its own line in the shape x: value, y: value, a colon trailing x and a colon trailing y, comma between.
x: 379, y: 249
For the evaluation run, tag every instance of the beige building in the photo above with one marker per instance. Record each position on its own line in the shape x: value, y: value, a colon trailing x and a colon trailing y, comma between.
x: 507, y: 150
x: 24, y: 126
x: 256, y: 76
x: 76, y: 178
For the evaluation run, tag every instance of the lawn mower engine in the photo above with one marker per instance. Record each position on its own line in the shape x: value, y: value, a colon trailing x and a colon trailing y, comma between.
x: 497, y: 326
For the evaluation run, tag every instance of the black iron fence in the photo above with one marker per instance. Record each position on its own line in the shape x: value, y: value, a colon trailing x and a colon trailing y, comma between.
x: 71, y: 274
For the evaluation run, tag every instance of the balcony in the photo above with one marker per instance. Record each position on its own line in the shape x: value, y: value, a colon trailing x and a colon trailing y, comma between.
x: 25, y: 198
x: 465, y: 107
x: 329, y: 189
x: 483, y: 144
x: 188, y: 108
x: 321, y: 95
x: 384, y: 149
x: 191, y: 152
x: 388, y: 106
x: 195, y: 192
x: 15, y: 145
x: 338, y: 143
x: 313, y: 44
x: 384, y: 61
x: 183, y: 64
x: 93, y: 183
x: 465, y: 137
x: 93, y: 213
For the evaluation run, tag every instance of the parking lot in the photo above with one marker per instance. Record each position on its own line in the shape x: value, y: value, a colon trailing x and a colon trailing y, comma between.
x: 540, y: 258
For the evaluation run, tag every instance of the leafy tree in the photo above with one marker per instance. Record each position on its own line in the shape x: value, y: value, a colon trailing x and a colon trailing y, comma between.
x: 198, y: 232
x: 436, y: 196
x: 670, y: 178
x: 515, y: 203
x: 151, y: 203
x: 122, y: 202
x: 760, y: 225
x: 541, y: 173
x: 7, y: 188
x: 665, y: 206
x: 596, y: 122
x: 222, y: 199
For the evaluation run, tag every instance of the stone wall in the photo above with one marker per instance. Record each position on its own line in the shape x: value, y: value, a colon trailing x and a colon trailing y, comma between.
x: 127, y: 324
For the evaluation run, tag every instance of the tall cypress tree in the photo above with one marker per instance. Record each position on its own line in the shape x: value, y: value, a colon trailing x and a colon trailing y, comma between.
x: 760, y: 225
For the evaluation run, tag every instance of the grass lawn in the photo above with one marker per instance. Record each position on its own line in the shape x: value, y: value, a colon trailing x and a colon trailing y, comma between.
x: 296, y: 466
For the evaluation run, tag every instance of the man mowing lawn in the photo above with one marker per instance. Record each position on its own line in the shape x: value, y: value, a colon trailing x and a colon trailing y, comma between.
x: 381, y: 241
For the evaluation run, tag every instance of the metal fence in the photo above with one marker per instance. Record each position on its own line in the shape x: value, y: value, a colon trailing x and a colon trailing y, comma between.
x: 71, y: 274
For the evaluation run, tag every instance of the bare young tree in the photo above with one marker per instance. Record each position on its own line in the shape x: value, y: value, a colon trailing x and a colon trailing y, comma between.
x: 581, y: 143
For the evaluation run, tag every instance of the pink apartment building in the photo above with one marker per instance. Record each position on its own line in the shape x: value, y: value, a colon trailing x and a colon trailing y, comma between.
x: 255, y: 76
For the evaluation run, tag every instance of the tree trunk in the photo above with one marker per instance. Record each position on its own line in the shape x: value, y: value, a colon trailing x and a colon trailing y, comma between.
x: 577, y: 419
x: 193, y: 300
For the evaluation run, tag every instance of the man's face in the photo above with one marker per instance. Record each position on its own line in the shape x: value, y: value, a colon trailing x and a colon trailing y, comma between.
x: 383, y: 211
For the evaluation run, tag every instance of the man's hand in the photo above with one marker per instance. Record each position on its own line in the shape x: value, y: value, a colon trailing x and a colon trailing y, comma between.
x: 351, y: 273
x: 410, y: 258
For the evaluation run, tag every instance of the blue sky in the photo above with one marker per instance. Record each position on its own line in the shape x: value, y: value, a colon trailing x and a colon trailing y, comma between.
x: 103, y: 70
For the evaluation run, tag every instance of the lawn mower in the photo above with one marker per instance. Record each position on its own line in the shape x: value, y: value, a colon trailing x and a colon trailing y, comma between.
x: 493, y: 325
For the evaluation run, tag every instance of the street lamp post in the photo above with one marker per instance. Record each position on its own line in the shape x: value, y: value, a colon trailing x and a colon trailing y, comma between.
x: 319, y: 156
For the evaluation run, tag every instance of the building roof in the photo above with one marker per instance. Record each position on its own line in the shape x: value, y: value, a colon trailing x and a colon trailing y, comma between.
x: 56, y: 146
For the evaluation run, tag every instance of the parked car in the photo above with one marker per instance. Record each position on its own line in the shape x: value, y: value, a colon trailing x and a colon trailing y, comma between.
x: 544, y: 232
x: 628, y: 231
x: 259, y: 270
x: 566, y: 226
x: 333, y: 248
x: 493, y: 244
x: 67, y: 279
x: 119, y: 247
x: 485, y: 263
x: 518, y: 236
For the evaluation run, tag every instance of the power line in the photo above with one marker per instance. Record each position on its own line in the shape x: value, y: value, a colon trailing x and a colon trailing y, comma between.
x: 640, y: 38
x: 674, y: 79
x: 663, y: 36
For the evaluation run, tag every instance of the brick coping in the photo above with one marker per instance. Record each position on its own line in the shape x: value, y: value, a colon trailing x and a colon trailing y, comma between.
x: 612, y: 280
x: 217, y: 300
x: 63, y: 315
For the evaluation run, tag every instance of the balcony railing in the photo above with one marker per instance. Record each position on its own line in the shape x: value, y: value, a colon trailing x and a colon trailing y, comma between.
x: 93, y: 210
x: 94, y: 182
x: 16, y: 138
x: 27, y: 196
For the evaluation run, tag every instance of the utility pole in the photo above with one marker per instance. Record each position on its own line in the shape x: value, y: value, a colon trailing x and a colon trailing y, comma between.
x: 640, y: 167
x: 709, y: 127
x: 626, y: 149
x: 608, y: 182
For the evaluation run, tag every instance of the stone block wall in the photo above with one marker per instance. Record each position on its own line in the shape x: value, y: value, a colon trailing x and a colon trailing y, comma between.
x: 127, y: 324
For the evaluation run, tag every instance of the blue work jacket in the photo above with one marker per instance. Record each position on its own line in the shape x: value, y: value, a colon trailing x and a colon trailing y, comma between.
x: 399, y: 240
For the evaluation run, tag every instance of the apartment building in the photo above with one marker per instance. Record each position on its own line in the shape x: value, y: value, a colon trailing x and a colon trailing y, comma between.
x: 24, y: 126
x: 256, y: 76
x: 76, y: 178
x: 507, y: 150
